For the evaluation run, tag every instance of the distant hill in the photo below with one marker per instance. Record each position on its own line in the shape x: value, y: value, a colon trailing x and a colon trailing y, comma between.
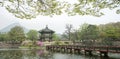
x: 8, y: 28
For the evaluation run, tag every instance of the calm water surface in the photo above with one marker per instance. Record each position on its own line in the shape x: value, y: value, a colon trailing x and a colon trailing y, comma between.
x: 42, y: 54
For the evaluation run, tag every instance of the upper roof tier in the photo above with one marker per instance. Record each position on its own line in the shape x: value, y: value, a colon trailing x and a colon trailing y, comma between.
x: 46, y: 30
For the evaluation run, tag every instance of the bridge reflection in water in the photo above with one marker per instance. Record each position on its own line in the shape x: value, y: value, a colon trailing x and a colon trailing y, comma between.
x: 43, y: 54
x: 102, y: 50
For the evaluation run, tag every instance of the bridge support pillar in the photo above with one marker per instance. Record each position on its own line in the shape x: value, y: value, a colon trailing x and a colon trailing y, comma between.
x: 88, y: 52
x: 58, y: 49
x: 70, y: 50
x: 105, y: 54
x: 77, y: 51
x: 63, y: 50
x: 52, y: 49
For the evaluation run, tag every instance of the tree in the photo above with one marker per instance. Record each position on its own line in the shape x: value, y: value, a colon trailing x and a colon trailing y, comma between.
x: 93, y: 7
x: 65, y: 36
x: 82, y: 32
x: 75, y: 35
x: 110, y: 32
x: 3, y: 37
x: 31, y: 8
x: 92, y: 33
x: 69, y: 30
x: 89, y: 34
x: 32, y: 35
x: 16, y: 34
x: 56, y: 37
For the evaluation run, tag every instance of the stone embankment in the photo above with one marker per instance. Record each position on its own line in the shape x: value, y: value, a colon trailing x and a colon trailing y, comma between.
x: 7, y: 45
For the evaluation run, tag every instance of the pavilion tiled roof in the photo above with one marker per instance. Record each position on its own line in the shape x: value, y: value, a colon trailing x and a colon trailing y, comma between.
x: 46, y: 30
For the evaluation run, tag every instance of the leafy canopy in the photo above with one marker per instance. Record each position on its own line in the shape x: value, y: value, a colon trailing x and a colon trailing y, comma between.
x: 27, y: 9
x: 16, y: 34
x: 32, y: 35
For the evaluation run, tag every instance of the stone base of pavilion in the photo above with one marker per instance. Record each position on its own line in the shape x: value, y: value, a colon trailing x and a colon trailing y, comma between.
x: 61, y: 43
x: 47, y: 43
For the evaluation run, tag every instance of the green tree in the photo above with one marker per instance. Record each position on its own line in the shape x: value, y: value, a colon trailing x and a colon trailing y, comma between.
x: 75, y: 35
x: 89, y: 34
x: 16, y: 34
x: 82, y: 32
x: 93, y: 7
x: 32, y: 35
x: 31, y: 8
x: 68, y: 31
x: 110, y: 32
x: 56, y: 37
x: 92, y: 33
x: 65, y: 36
x: 3, y: 37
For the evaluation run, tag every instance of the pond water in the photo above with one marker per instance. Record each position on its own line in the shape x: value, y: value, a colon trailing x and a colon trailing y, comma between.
x: 43, y: 54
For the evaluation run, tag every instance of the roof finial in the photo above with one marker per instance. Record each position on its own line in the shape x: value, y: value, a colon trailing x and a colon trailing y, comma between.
x: 46, y: 26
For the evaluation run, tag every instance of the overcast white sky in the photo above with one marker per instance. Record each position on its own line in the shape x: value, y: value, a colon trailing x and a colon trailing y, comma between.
x: 57, y: 23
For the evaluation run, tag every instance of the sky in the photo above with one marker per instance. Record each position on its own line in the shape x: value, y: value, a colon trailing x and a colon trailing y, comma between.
x: 57, y: 23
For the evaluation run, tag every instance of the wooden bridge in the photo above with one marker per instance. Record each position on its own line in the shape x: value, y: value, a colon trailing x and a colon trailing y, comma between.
x: 103, y: 50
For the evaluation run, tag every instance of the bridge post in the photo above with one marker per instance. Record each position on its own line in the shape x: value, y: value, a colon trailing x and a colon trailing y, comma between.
x: 70, y: 50
x: 52, y: 48
x: 105, y: 54
x: 88, y: 51
x: 63, y: 49
x: 57, y: 49
x: 77, y: 51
